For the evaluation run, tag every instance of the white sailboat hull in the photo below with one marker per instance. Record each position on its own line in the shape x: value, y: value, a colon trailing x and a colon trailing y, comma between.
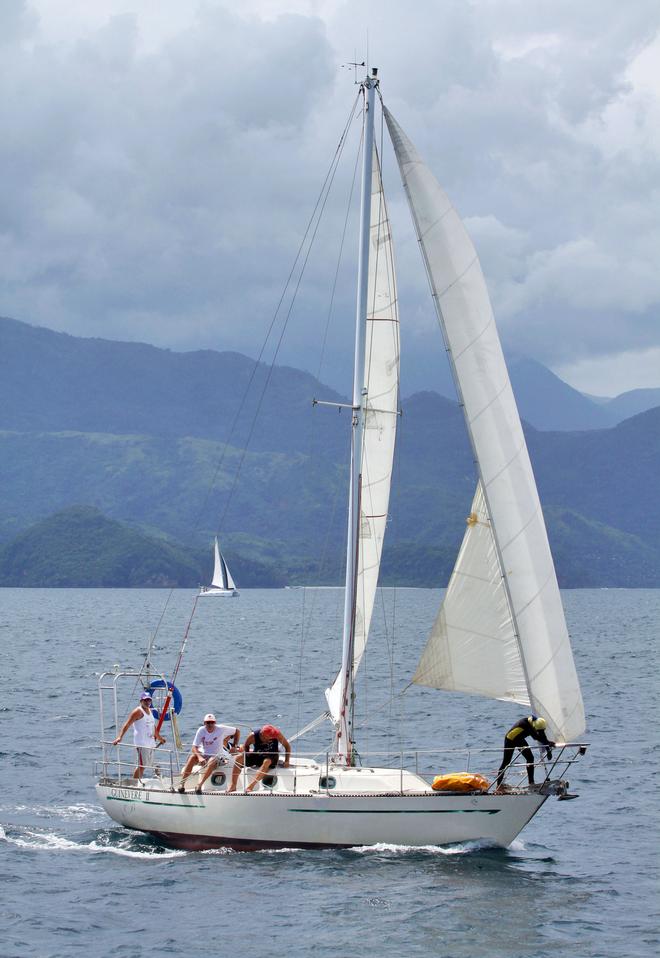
x: 321, y: 819
x: 219, y: 593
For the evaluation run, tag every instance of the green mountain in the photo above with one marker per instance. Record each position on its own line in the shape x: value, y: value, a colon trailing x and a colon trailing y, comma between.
x: 163, y: 444
x: 79, y: 548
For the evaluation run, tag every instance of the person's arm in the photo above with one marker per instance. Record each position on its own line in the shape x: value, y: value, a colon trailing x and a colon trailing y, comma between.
x: 133, y: 717
x: 248, y: 742
x: 543, y: 739
x: 287, y: 748
x: 234, y: 737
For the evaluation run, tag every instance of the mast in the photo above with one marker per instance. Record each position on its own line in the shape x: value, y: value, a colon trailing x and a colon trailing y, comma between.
x: 343, y: 743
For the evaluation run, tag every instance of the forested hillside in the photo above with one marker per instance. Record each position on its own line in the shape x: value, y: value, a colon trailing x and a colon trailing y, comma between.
x: 123, y: 429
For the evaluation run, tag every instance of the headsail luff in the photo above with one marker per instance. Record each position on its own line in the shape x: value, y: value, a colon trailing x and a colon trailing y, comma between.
x: 381, y: 382
x: 507, y: 481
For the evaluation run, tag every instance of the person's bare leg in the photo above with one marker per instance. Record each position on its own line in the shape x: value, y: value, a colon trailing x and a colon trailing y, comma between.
x: 187, y: 769
x: 263, y: 771
x: 238, y: 766
x: 211, y: 765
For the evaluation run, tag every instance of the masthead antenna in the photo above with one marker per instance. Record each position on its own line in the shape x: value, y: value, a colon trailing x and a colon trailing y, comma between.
x: 355, y: 66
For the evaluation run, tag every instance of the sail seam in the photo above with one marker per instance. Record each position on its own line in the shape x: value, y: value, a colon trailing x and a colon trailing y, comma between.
x: 432, y: 226
x: 523, y: 527
x: 489, y: 403
x: 482, y: 331
x: 506, y: 466
x: 523, y: 608
x: 457, y: 280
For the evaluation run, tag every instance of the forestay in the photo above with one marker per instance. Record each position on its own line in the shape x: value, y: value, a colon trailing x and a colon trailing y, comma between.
x: 381, y: 383
x: 511, y: 499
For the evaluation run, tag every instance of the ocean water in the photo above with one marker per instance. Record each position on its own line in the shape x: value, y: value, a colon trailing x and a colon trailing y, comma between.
x: 582, y: 879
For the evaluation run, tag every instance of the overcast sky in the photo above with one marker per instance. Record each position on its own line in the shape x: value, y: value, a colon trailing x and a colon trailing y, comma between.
x: 159, y: 161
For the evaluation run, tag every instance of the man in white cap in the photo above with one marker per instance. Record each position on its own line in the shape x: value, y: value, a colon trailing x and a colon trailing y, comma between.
x: 144, y: 734
x: 211, y: 742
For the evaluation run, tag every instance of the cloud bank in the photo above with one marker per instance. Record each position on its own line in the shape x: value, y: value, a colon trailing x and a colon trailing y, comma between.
x: 159, y: 163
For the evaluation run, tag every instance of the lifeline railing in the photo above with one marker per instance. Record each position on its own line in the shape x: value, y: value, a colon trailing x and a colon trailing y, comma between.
x: 119, y: 767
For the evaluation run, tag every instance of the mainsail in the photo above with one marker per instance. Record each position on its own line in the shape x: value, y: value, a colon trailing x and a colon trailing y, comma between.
x: 381, y: 383
x: 221, y: 575
x: 525, y: 617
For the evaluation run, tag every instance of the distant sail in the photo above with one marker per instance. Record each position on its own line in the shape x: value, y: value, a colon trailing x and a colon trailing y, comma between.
x: 507, y: 481
x: 221, y: 575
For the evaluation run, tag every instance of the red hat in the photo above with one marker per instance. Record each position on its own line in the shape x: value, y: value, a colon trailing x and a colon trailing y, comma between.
x: 269, y: 731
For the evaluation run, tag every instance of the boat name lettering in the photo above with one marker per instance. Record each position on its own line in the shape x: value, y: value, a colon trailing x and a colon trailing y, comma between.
x: 128, y: 794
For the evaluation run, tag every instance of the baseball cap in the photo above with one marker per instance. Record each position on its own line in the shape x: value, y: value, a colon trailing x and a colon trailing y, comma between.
x: 145, y: 695
x: 209, y: 717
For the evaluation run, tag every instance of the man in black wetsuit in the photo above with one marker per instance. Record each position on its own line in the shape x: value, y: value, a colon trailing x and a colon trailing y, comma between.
x: 529, y: 726
x: 261, y: 751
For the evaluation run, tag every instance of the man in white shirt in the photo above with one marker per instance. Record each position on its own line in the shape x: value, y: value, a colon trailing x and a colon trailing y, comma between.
x: 211, y: 743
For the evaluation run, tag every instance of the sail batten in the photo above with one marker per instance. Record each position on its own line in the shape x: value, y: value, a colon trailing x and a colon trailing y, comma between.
x: 510, y: 592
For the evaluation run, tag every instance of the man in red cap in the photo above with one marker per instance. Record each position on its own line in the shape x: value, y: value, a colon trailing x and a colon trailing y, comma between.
x: 261, y: 751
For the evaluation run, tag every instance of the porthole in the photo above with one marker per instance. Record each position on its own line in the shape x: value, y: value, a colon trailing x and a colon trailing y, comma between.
x: 218, y: 779
x: 269, y: 781
x: 327, y: 781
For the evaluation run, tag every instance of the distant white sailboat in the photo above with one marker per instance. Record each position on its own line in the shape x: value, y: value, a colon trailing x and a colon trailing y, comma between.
x: 222, y: 584
x: 500, y: 631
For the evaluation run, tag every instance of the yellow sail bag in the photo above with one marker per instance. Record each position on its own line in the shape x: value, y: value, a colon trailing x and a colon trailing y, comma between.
x: 460, y: 782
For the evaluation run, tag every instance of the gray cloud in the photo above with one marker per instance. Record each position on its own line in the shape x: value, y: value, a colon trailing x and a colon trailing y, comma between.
x: 159, y: 170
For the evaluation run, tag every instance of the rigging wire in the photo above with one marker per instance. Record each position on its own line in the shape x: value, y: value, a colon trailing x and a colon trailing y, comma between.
x: 328, y: 177
x: 321, y: 209
x: 306, y: 621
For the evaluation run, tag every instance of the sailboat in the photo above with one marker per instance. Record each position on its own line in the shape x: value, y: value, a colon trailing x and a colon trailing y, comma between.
x: 500, y: 631
x: 222, y: 584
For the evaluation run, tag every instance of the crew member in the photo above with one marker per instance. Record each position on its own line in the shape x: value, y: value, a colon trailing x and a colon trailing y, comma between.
x: 261, y: 751
x: 144, y: 734
x: 210, y: 745
x: 516, y: 738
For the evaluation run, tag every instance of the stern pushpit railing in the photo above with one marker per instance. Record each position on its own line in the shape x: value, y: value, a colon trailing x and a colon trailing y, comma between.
x: 118, y: 696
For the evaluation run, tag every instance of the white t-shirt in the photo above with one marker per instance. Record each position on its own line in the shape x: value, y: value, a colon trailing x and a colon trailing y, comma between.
x: 210, y: 743
x: 143, y: 731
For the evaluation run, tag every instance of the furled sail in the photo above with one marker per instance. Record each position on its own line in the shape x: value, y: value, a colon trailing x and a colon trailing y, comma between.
x: 507, y: 482
x: 381, y: 383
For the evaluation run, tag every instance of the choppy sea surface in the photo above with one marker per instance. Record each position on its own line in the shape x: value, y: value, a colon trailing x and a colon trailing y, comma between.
x: 582, y: 879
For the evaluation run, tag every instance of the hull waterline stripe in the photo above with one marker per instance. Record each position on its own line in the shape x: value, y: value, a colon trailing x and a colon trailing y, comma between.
x: 140, y: 801
x: 396, y: 811
x: 336, y: 811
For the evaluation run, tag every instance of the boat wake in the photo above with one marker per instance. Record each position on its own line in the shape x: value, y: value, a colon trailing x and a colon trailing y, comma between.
x: 80, y: 812
x: 104, y: 840
x: 462, y: 848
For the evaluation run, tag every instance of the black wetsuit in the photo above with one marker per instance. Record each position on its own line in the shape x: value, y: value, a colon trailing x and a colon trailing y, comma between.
x: 261, y: 750
x: 517, y: 737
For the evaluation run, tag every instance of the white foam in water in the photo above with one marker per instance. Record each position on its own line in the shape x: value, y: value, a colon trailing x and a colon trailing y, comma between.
x: 49, y: 841
x: 79, y: 812
x: 463, y: 849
